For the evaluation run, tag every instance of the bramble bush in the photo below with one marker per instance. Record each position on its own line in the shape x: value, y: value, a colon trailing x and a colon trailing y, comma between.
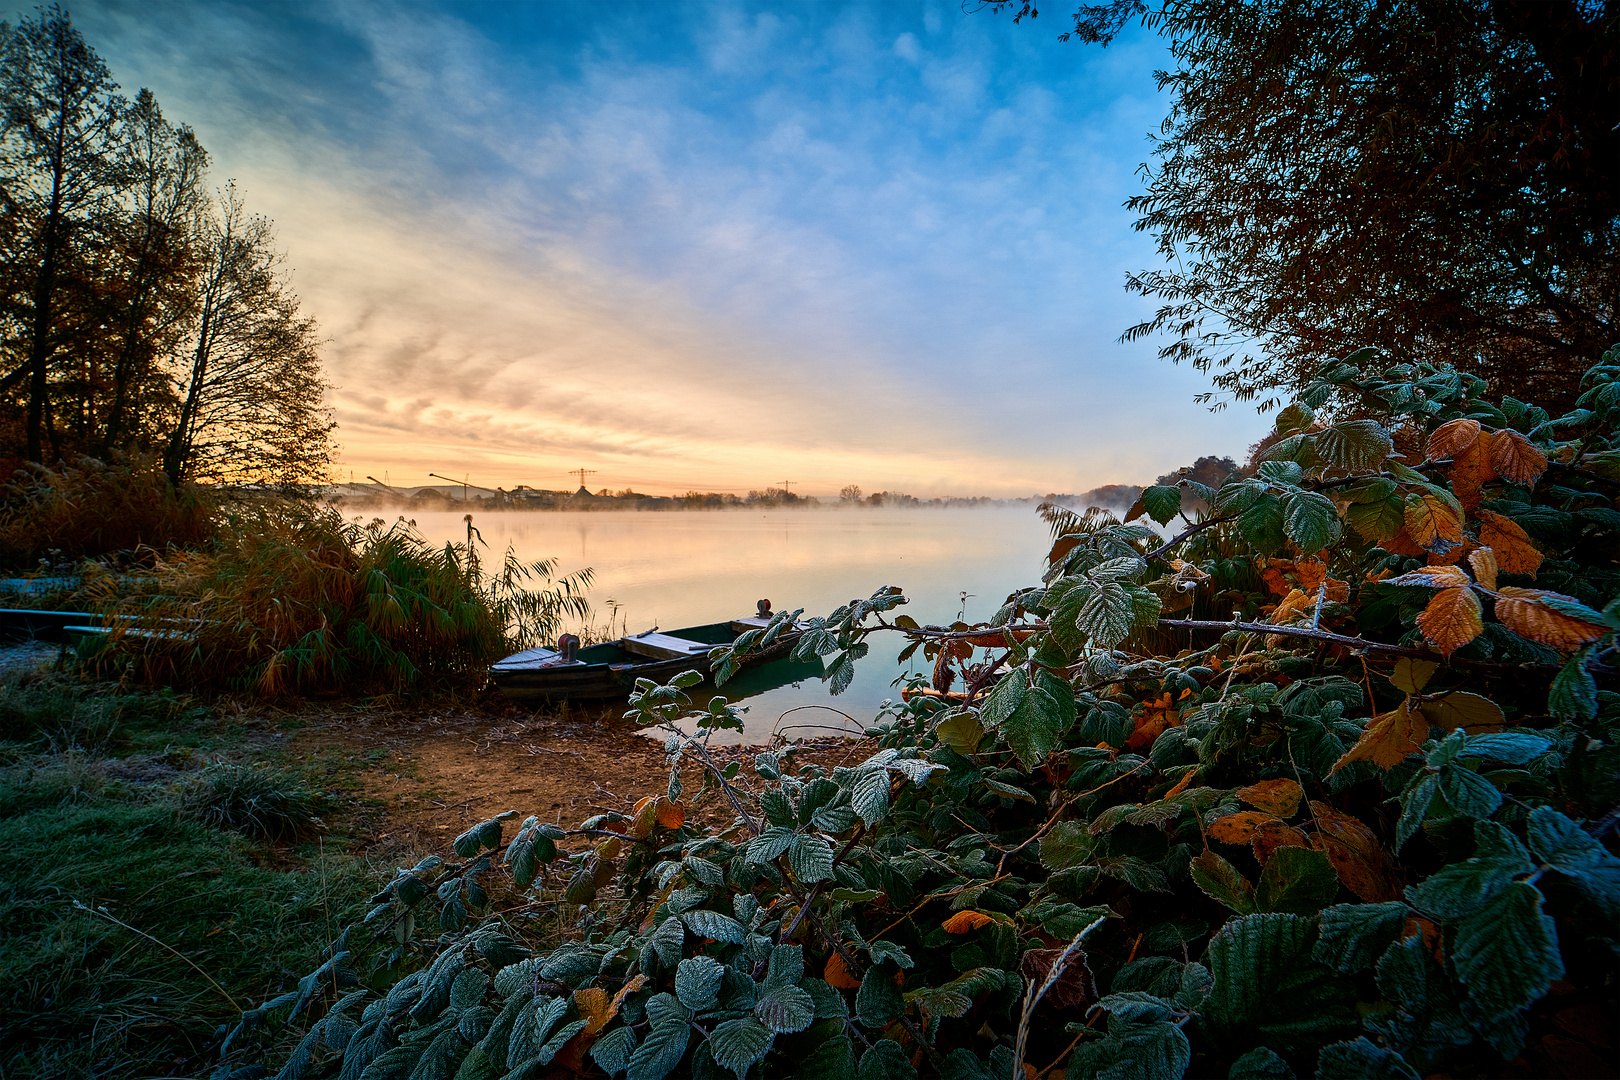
x: 1324, y: 785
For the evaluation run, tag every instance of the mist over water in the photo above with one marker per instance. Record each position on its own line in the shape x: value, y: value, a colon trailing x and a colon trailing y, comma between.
x: 681, y: 569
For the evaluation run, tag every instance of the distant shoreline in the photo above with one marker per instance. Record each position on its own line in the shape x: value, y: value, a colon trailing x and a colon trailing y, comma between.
x: 440, y: 500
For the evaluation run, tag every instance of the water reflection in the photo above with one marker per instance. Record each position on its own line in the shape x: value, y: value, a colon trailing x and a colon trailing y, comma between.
x: 684, y: 568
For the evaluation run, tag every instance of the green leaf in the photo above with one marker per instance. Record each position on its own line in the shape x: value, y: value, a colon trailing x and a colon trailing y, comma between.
x: 1354, y: 936
x: 811, y: 858
x: 1310, y: 520
x: 1066, y: 844
x: 1575, y: 853
x: 712, y: 924
x: 664, y: 1044
x: 468, y: 989
x: 1296, y: 880
x: 960, y: 731
x: 1468, y: 792
x: 1107, y: 615
x: 612, y: 1051
x: 1265, y: 981
x: 784, y: 1007
x: 869, y: 794
x: 1506, y: 952
x: 1415, y: 802
x: 769, y: 844
x: 886, y: 1060
x: 1037, y: 726
x: 1261, y: 1063
x: 834, y: 1059
x: 1427, y: 1018
x: 1004, y: 698
x: 1460, y: 889
x: 1573, y: 695
x: 697, y: 982
x: 1508, y: 747
x: 1362, y: 1059
x: 1354, y: 445
x: 1221, y: 881
x: 878, y: 1001
x: 1262, y: 525
x: 737, y: 1044
x: 1377, y: 520
x: 1162, y: 503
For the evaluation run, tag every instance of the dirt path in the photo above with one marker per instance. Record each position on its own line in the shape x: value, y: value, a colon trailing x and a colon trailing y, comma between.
x: 426, y: 773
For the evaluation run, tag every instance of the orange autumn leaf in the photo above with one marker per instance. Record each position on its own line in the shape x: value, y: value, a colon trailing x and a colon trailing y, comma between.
x: 596, y: 1007
x: 1452, y: 619
x: 1452, y: 437
x: 1474, y: 714
x: 1156, y: 716
x: 1528, y: 613
x: 1434, y: 577
x: 1471, y: 470
x: 1181, y: 785
x: 1453, y: 555
x: 965, y: 922
x: 643, y: 817
x: 1239, y: 828
x: 1273, y: 835
x: 1362, y: 864
x: 1280, y: 796
x: 1274, y: 575
x: 1433, y: 521
x: 670, y: 815
x: 838, y: 975
x: 1313, y: 573
x: 1510, y: 544
x: 1483, y: 560
x: 1516, y: 459
x: 1388, y: 739
x: 1401, y: 544
x: 1291, y: 605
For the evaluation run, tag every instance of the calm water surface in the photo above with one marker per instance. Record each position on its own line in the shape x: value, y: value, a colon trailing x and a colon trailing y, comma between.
x: 685, y: 568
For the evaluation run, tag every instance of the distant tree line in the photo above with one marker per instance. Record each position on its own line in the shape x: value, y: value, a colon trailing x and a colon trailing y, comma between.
x: 142, y: 312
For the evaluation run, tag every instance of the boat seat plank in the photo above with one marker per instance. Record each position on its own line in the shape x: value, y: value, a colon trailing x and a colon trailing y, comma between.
x: 664, y: 646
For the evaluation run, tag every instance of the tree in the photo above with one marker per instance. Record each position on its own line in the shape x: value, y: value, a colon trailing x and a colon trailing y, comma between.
x: 252, y: 408
x: 850, y: 494
x: 1438, y: 178
x: 58, y: 116
x: 165, y: 167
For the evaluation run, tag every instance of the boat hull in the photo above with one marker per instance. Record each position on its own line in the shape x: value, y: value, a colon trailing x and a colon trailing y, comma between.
x: 609, y: 671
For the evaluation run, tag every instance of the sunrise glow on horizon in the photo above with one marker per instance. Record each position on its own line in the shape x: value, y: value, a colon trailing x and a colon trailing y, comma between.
x: 699, y: 246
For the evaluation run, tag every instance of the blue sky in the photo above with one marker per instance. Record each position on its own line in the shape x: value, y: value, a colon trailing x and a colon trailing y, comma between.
x: 699, y: 245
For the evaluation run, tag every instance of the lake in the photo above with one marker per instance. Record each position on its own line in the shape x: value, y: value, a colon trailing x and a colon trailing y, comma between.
x: 689, y: 567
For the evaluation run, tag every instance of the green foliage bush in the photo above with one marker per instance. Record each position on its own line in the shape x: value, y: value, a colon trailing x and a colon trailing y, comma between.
x: 90, y: 508
x: 1353, y: 827
x: 294, y: 599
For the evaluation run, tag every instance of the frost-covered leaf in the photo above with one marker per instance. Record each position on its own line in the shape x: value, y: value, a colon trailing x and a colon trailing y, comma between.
x: 1354, y: 936
x: 1506, y: 952
x: 737, y: 1044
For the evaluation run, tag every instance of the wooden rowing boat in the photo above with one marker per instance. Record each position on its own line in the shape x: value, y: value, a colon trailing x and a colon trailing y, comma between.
x: 610, y: 670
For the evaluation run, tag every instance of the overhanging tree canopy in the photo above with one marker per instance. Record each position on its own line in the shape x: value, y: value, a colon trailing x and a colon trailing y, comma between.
x: 1437, y: 178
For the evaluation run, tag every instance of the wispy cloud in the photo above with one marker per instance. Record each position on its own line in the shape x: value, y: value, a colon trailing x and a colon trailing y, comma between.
x: 698, y: 245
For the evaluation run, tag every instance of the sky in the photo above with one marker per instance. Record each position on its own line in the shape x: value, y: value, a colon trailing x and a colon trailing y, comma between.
x: 699, y: 246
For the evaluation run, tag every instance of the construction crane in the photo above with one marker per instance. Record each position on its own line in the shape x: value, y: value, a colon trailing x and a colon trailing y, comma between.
x: 582, y: 474
x: 465, y: 486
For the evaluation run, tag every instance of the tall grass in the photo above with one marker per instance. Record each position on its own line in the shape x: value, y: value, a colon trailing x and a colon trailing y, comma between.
x: 89, y: 508
x: 292, y: 599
